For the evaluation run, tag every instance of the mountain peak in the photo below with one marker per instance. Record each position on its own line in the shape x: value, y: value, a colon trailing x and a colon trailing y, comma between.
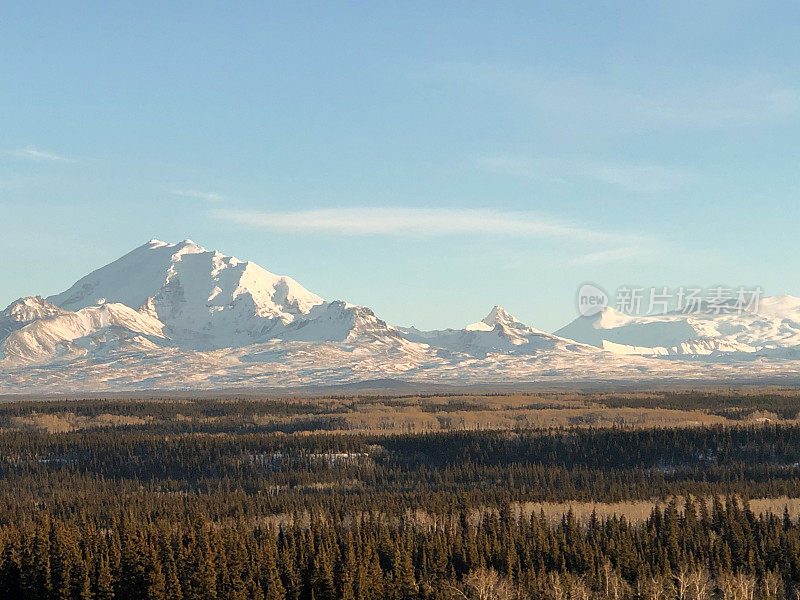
x: 29, y: 309
x: 203, y: 297
x: 497, y: 316
x: 191, y: 245
x: 157, y: 243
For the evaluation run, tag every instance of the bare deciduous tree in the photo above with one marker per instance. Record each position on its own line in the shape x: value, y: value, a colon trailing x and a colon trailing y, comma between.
x: 614, y: 585
x: 579, y: 589
x: 772, y: 586
x: 740, y: 586
x: 485, y: 584
x: 701, y: 586
x: 682, y: 583
x: 555, y: 589
x: 654, y: 587
x: 746, y: 585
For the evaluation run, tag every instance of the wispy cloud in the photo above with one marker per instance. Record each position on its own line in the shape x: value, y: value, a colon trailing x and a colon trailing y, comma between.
x: 587, y: 102
x: 419, y: 222
x: 208, y: 196
x: 611, y: 255
x: 639, y: 178
x: 33, y: 153
x: 642, y: 178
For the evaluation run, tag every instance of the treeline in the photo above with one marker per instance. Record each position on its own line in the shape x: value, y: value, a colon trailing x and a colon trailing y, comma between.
x: 239, y: 414
x: 695, y: 553
x: 732, y: 405
x: 422, y: 470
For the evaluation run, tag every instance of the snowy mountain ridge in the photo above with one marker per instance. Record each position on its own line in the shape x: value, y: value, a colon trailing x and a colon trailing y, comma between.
x: 180, y: 316
x: 775, y: 325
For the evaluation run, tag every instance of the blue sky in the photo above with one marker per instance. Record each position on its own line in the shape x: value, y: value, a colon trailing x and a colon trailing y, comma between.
x: 428, y: 160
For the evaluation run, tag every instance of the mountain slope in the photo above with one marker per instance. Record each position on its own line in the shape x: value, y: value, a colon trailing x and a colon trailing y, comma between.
x: 72, y: 334
x: 497, y: 333
x: 340, y: 322
x: 26, y: 310
x: 775, y: 325
x: 205, y: 299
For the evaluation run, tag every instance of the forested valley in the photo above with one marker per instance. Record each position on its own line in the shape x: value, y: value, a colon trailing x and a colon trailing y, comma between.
x: 195, y: 500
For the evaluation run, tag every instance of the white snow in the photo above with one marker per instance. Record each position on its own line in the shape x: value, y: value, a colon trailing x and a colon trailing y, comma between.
x: 497, y: 316
x: 180, y: 316
x: 775, y: 325
x: 498, y: 332
x: 74, y: 333
x: 339, y: 322
x: 23, y: 311
x: 204, y: 299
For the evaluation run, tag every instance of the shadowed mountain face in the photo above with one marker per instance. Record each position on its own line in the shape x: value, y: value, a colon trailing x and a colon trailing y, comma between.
x: 180, y: 316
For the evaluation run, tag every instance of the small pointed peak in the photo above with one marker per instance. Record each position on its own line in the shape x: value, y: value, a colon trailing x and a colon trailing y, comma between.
x: 154, y: 243
x: 500, y: 316
x: 497, y: 316
x: 497, y: 313
x: 187, y: 246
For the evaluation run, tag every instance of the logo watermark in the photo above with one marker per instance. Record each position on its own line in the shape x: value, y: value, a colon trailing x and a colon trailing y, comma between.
x: 647, y: 301
x: 591, y: 299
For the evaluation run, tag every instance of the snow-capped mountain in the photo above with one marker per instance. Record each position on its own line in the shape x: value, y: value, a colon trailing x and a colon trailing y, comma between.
x: 203, y: 298
x: 498, y: 316
x: 24, y: 311
x: 168, y: 316
x: 182, y: 296
x: 71, y: 334
x: 776, y: 324
x: 497, y: 333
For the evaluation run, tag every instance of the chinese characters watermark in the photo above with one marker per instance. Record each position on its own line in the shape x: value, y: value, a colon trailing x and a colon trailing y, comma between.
x: 647, y: 301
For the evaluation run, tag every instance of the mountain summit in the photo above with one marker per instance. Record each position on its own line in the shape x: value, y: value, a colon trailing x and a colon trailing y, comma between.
x: 497, y: 316
x: 204, y: 298
x: 183, y: 296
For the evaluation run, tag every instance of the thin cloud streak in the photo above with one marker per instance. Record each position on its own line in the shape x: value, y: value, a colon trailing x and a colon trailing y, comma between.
x: 610, y: 255
x: 751, y: 101
x: 644, y: 179
x: 32, y: 153
x: 418, y: 222
x: 637, y: 178
x: 209, y: 196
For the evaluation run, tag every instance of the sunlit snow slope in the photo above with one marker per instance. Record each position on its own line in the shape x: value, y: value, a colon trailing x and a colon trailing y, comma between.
x: 775, y: 325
